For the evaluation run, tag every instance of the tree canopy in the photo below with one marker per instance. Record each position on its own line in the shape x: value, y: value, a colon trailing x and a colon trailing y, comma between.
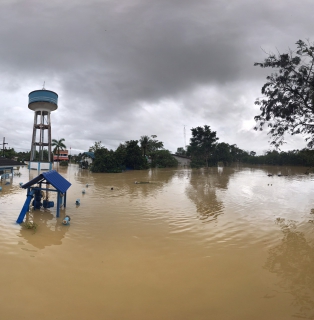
x: 150, y: 145
x: 97, y: 145
x: 134, y: 158
x: 202, y: 143
x: 288, y: 102
x: 130, y: 155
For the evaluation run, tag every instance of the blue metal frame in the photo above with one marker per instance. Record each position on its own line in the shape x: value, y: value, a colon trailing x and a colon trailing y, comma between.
x: 51, y: 177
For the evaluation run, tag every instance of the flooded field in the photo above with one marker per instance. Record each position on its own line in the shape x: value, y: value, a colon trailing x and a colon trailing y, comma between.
x: 223, y: 243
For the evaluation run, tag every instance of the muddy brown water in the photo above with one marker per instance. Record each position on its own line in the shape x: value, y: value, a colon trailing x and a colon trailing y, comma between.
x: 223, y: 243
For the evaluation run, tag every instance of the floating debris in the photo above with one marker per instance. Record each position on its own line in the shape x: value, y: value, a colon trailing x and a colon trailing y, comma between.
x: 83, y: 191
x: 30, y: 225
x: 66, y: 220
x: 77, y: 202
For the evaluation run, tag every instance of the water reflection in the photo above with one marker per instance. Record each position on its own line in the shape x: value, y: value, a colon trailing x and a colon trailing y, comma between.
x: 50, y: 231
x: 293, y: 262
x: 150, y: 184
x: 136, y: 184
x: 293, y: 172
x: 202, y: 190
x: 141, y: 243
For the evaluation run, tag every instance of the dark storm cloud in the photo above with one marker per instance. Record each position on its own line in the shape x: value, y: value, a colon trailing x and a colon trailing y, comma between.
x: 123, y: 69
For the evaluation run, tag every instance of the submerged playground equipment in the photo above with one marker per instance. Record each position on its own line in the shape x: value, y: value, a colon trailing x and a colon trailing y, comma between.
x: 38, y: 190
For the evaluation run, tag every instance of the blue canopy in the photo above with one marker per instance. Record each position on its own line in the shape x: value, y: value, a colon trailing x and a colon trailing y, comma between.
x: 53, y: 178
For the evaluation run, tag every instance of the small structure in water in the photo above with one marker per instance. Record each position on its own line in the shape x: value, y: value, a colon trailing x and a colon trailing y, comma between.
x: 6, y: 168
x: 87, y: 160
x: 36, y: 192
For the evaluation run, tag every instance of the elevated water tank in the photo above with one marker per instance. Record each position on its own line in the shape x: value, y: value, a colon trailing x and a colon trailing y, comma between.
x: 43, y: 100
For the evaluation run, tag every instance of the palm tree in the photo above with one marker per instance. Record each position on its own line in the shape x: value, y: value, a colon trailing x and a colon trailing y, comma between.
x: 144, y: 141
x: 59, y: 145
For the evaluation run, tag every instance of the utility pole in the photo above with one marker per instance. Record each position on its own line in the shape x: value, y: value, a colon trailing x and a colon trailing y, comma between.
x: 3, y: 145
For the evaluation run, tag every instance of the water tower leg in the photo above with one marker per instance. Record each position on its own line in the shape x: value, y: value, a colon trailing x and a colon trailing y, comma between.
x: 33, y: 148
x: 49, y: 140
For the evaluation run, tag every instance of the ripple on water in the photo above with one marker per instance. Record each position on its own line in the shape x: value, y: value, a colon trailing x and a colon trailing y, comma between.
x: 166, y: 228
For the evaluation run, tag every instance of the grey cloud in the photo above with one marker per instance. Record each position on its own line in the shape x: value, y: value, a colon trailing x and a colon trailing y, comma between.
x: 107, y: 59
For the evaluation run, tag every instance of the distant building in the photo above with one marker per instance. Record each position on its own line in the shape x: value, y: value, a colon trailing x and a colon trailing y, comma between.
x: 62, y: 155
x: 7, y: 166
x: 182, y: 160
x: 87, y: 159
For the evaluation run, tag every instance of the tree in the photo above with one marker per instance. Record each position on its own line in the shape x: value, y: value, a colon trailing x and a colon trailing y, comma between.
x: 144, y: 141
x: 133, y: 156
x: 23, y: 156
x: 181, y: 151
x: 154, y: 144
x: 237, y: 154
x: 163, y: 159
x: 9, y: 153
x: 223, y: 153
x: 58, y: 146
x: 97, y: 145
x: 202, y: 143
x: 130, y: 156
x: 150, y: 145
x: 121, y: 154
x: 105, y: 161
x: 288, y: 105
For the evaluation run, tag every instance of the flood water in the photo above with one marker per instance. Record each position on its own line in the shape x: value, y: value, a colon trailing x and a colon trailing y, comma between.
x: 217, y: 243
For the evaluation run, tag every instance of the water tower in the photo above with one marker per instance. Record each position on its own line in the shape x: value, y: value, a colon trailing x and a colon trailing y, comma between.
x: 42, y: 102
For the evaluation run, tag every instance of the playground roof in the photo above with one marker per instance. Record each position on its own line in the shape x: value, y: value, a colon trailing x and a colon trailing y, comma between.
x: 8, y: 163
x: 53, y: 178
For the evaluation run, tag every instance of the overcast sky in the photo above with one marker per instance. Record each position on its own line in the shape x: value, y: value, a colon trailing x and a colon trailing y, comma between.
x: 128, y: 68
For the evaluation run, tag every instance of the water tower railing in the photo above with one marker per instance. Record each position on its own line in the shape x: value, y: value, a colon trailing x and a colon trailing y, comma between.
x: 43, y: 98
